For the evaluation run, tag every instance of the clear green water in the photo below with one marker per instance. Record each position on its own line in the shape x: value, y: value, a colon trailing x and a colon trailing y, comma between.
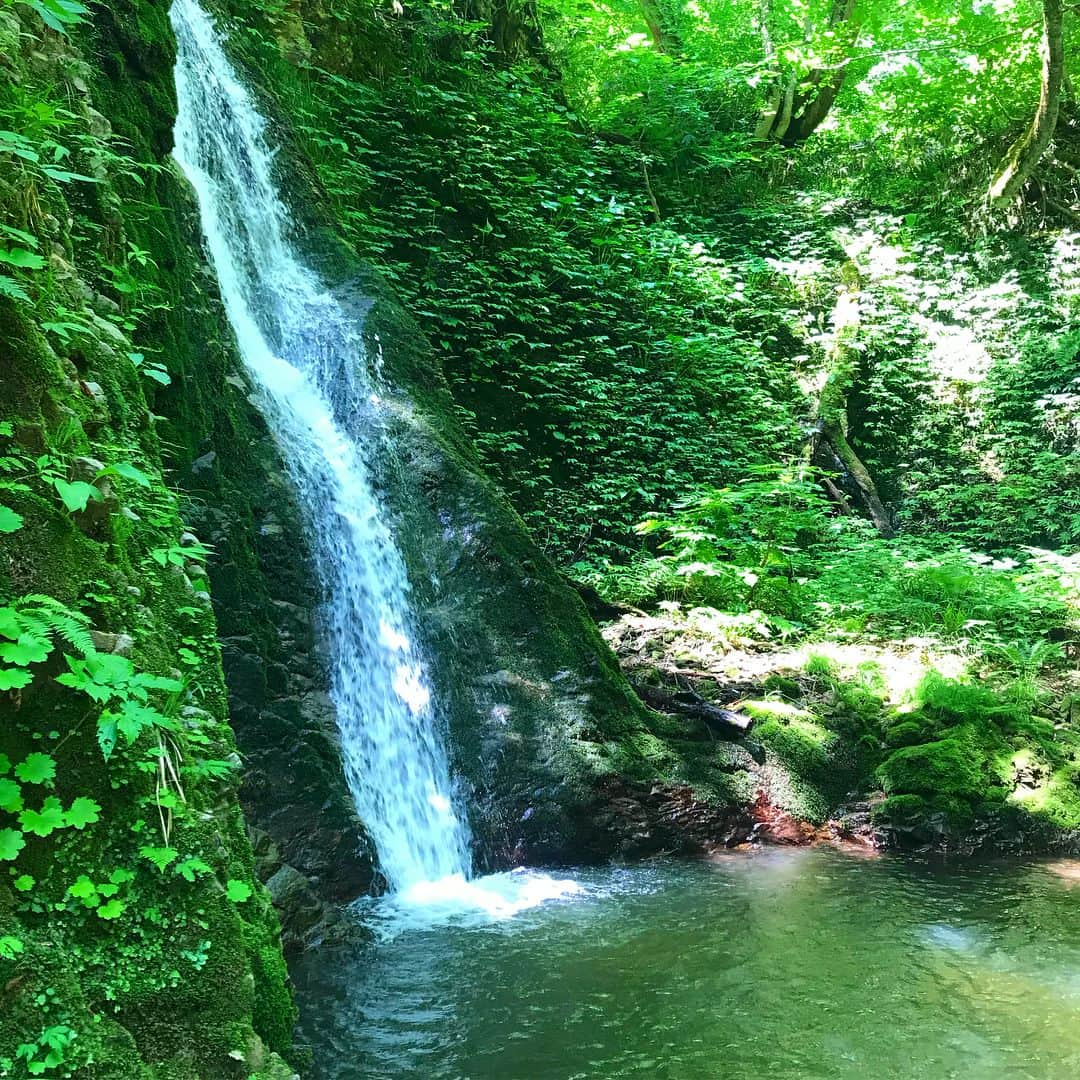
x: 780, y: 964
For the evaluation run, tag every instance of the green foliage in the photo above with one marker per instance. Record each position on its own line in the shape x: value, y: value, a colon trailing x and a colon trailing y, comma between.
x: 582, y: 340
x: 753, y: 537
x: 238, y: 891
x: 93, y: 625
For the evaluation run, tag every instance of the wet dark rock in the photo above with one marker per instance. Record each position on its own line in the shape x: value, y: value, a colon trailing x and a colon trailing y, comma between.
x: 640, y: 819
x: 203, y: 463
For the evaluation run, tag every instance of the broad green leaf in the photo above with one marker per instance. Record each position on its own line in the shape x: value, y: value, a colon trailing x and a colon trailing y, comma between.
x: 27, y: 650
x: 76, y: 494
x: 84, y: 889
x: 128, y: 472
x: 10, y: 796
x: 158, y: 374
x: 106, y: 734
x: 237, y: 891
x: 23, y: 883
x: 82, y: 812
x: 21, y: 257
x: 9, y: 521
x: 45, y: 821
x: 11, y: 843
x: 20, y: 234
x: 36, y: 769
x: 14, y: 678
x: 112, y: 910
x: 19, y: 145
x: 63, y: 176
x: 10, y: 947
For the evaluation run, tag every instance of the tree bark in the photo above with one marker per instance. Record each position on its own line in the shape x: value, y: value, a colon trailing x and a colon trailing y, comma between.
x: 831, y: 429
x: 718, y: 720
x: 515, y: 28
x: 797, y: 111
x: 1025, y: 154
x: 650, y: 9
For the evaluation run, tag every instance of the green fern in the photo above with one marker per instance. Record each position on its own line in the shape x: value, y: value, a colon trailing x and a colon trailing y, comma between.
x: 44, y: 618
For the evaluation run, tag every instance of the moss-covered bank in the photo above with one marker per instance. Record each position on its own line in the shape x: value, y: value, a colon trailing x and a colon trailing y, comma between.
x: 135, y: 940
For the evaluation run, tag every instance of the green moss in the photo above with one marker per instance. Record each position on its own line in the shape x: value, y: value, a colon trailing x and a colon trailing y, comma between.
x: 177, y: 983
x: 955, y: 700
x: 274, y: 1013
x: 819, y: 665
x: 953, y: 766
x: 906, y: 733
x: 1061, y: 803
x: 782, y: 685
x: 901, y: 810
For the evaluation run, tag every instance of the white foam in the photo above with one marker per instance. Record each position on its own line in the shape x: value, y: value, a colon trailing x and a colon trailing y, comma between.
x: 458, y: 900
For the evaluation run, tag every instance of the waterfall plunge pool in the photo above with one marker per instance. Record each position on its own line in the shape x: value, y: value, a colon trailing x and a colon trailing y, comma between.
x: 777, y: 964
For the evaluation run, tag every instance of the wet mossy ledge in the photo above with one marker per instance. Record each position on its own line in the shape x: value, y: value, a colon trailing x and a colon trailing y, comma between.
x: 135, y: 939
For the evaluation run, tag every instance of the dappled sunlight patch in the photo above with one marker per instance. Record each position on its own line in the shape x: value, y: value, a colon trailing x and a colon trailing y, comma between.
x: 1068, y: 870
x: 1027, y: 778
x: 787, y: 713
x: 1050, y: 794
x: 955, y: 355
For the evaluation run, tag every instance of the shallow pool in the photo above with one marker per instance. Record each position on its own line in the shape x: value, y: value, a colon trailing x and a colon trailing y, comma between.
x: 778, y: 964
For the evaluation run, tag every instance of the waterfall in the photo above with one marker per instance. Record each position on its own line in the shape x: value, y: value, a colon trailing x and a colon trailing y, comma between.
x: 305, y: 356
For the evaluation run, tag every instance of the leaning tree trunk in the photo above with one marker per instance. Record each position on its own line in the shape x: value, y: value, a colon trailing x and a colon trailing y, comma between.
x: 1026, y: 153
x: 514, y: 27
x: 830, y: 438
x: 797, y: 110
x: 665, y: 38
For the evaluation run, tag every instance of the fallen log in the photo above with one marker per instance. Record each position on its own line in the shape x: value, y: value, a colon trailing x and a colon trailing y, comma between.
x: 689, y: 703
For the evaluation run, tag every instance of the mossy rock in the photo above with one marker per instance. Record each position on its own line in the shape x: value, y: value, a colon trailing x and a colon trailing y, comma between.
x: 783, y: 685
x: 903, y: 811
x: 906, y: 733
x: 951, y: 767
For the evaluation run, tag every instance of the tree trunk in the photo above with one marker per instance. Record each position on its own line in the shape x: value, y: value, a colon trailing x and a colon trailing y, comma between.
x: 768, y: 115
x: 652, y: 21
x: 664, y: 38
x: 688, y: 702
x: 514, y: 27
x: 1025, y: 154
x: 831, y: 430
x: 796, y: 112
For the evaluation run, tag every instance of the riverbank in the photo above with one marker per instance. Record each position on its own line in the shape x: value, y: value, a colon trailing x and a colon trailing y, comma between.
x: 916, y: 741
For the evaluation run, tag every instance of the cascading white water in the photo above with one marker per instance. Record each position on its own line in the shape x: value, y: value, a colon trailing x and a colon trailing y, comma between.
x: 305, y: 354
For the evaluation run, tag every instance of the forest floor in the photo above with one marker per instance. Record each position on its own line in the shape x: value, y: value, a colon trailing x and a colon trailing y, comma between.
x: 858, y: 733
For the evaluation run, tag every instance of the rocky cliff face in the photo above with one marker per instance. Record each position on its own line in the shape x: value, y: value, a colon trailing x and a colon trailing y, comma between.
x: 540, y: 720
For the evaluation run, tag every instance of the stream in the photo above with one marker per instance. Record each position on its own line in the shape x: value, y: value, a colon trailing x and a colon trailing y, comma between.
x: 782, y: 963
